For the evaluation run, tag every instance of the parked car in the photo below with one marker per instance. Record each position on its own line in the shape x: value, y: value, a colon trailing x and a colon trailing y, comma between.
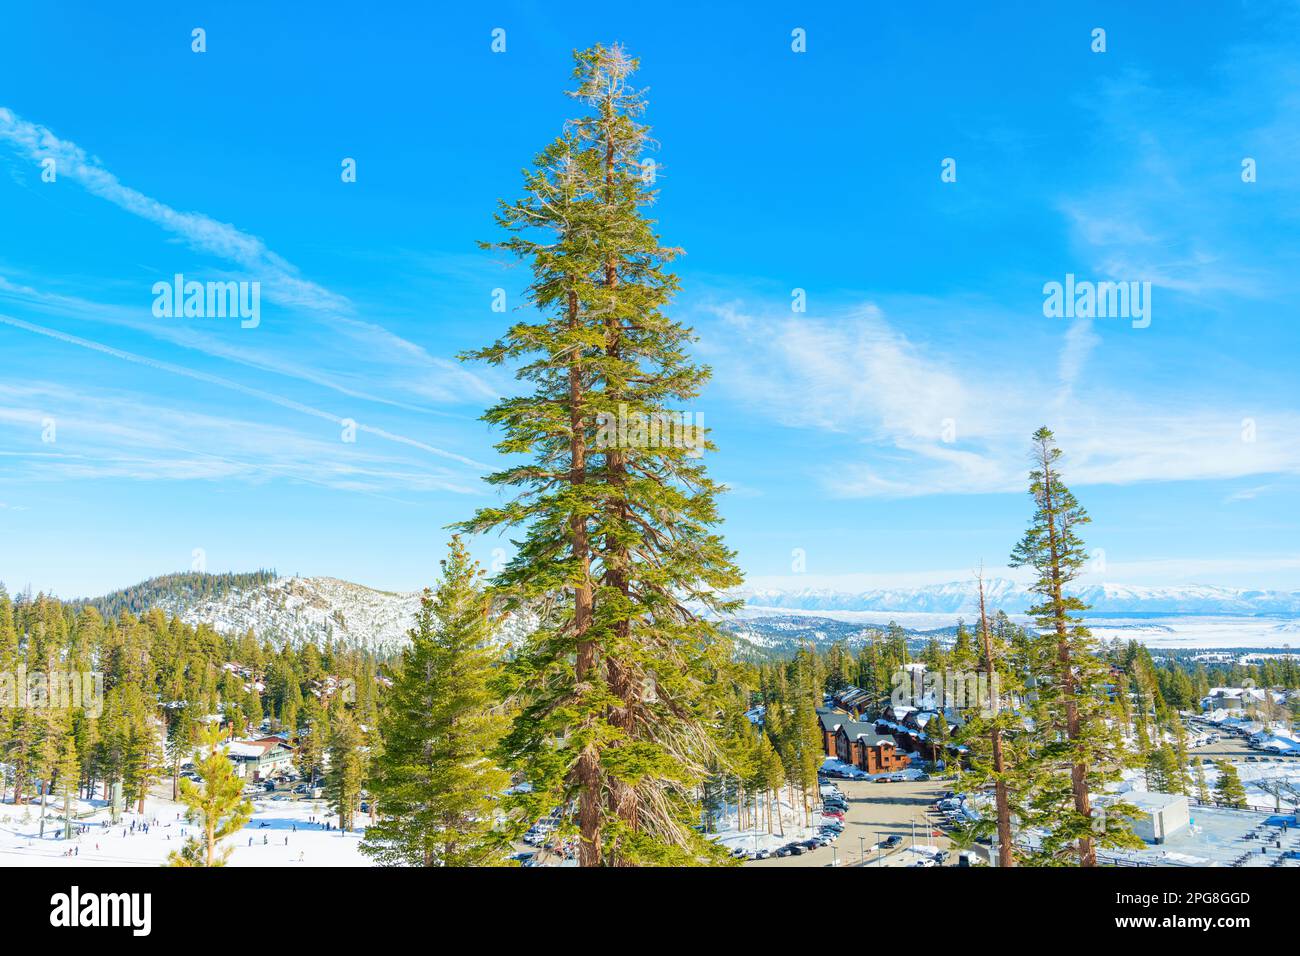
x: 797, y: 849
x: 787, y: 850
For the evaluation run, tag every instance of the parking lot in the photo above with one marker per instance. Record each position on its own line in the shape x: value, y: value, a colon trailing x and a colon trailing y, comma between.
x: 876, y: 812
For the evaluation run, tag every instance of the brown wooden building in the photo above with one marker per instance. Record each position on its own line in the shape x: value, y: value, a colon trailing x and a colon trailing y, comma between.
x: 830, y: 722
x: 859, y: 744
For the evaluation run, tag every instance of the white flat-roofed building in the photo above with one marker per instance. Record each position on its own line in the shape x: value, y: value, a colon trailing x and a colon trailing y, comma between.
x: 1161, y: 814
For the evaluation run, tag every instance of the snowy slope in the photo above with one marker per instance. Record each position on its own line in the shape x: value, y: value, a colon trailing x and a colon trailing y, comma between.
x: 323, y: 609
x: 311, y: 609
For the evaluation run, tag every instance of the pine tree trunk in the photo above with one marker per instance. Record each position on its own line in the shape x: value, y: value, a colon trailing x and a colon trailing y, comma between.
x: 1006, y: 844
x: 588, y: 768
x: 1078, y: 771
x: 623, y: 798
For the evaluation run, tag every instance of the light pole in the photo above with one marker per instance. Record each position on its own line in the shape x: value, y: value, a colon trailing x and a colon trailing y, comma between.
x: 862, y: 851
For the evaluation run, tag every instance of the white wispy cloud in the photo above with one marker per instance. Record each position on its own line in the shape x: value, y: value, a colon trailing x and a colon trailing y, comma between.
x: 427, y: 376
x: 202, y: 232
x: 854, y: 374
x: 220, y: 382
x: 106, y: 434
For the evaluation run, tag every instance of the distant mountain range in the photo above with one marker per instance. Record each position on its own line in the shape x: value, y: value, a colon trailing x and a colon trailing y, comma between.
x: 321, y: 609
x: 1004, y: 595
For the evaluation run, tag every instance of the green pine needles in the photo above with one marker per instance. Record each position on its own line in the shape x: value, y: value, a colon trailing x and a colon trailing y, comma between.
x: 1077, y: 749
x: 435, y: 786
x: 217, y: 809
x: 618, y: 691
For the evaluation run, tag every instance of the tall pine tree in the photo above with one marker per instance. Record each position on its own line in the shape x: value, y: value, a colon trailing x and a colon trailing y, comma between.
x: 436, y: 783
x: 618, y: 688
x: 1079, y: 750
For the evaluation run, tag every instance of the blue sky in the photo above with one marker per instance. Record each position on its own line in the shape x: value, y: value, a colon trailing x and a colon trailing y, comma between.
x: 883, y: 432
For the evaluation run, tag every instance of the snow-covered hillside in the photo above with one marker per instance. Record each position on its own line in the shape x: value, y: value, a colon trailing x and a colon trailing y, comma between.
x: 1006, y: 595
x: 323, y: 609
x: 311, y: 609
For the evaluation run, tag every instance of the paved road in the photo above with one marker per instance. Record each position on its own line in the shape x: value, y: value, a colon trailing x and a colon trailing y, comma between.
x: 876, y: 811
x: 1235, y: 748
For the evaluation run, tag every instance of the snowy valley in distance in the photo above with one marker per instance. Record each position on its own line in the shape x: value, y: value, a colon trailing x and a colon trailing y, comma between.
x: 773, y: 621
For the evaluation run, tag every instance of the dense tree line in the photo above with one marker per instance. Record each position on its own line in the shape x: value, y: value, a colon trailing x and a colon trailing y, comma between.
x: 183, y: 589
x: 158, y: 684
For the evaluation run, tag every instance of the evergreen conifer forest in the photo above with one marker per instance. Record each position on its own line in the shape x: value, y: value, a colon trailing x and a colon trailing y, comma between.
x: 850, y: 438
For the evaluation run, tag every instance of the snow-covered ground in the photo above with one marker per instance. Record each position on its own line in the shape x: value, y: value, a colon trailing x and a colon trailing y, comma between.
x: 273, y: 822
x: 1193, y: 631
x: 1253, y: 773
x: 791, y: 821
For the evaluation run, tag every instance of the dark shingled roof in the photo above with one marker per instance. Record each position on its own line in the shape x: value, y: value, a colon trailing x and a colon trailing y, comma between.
x: 866, y: 733
x: 829, y: 720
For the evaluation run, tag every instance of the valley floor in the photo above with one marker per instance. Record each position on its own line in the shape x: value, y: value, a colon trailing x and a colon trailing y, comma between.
x: 261, y: 843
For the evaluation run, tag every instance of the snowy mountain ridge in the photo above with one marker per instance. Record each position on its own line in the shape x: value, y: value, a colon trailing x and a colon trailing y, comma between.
x: 321, y: 609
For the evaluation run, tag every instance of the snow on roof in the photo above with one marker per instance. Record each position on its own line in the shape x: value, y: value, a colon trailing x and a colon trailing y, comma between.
x: 255, y: 748
x: 1153, y: 799
x: 1232, y: 693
